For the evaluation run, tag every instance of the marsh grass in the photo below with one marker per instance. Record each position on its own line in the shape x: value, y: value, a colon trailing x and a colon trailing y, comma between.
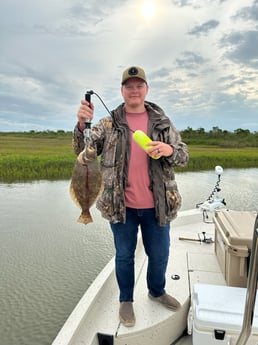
x: 27, y: 157
x: 207, y: 157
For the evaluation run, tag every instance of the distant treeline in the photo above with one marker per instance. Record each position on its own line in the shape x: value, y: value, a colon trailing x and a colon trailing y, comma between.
x: 46, y: 133
x: 221, y: 138
x: 215, y: 137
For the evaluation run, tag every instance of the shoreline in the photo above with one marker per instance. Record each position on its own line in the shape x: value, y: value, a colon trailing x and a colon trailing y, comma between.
x: 26, y: 158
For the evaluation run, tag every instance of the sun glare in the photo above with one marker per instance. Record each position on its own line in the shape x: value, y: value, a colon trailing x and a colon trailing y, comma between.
x: 148, y: 9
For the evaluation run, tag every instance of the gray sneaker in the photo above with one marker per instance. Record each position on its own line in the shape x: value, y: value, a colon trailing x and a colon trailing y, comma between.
x: 167, y: 300
x: 126, y: 314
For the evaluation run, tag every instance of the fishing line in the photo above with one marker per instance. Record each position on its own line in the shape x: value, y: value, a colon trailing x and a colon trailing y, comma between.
x: 91, y: 92
x: 139, y: 136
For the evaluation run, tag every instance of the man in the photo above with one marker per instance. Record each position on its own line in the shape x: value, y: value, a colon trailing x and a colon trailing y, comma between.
x: 138, y: 190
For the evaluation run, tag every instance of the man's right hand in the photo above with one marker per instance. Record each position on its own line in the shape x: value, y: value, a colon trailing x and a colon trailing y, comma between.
x: 85, y: 113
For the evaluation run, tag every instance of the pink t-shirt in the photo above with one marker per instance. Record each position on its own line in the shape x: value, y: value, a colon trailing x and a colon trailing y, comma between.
x: 137, y: 193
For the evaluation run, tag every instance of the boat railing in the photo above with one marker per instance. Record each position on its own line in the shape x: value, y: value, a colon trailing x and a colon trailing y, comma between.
x: 250, y: 291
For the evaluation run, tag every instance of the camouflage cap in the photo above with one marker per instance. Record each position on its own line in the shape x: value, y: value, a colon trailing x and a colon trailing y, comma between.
x: 133, y: 72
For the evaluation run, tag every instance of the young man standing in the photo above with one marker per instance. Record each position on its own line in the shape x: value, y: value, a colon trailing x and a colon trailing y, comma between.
x: 139, y: 190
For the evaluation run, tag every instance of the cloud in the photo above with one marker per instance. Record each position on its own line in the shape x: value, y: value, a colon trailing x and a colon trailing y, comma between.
x: 195, y: 4
x: 190, y: 60
x: 181, y: 3
x: 242, y: 47
x: 53, y: 51
x: 204, y: 28
x: 248, y: 13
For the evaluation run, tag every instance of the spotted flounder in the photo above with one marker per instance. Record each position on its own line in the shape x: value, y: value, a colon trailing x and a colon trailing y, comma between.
x: 86, y: 184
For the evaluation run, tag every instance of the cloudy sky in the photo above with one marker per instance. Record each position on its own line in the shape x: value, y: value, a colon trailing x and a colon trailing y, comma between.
x: 200, y: 57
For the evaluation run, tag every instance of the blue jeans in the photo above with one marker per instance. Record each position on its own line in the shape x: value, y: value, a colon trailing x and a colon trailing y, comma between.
x: 156, y: 241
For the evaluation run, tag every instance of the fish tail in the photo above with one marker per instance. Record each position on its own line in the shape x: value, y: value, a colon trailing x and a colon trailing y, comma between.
x: 85, y: 218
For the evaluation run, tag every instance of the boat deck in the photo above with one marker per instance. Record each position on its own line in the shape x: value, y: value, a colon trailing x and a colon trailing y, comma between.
x: 95, y: 320
x: 192, y: 262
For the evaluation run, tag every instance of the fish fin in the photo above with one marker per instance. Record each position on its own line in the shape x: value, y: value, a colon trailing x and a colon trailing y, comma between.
x: 73, y: 196
x: 85, y: 218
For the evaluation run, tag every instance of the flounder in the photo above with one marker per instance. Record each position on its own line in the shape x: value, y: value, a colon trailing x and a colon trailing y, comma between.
x: 86, y: 183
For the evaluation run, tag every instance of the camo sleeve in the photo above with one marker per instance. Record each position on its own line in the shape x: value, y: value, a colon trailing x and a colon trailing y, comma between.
x: 180, y: 156
x: 78, y: 140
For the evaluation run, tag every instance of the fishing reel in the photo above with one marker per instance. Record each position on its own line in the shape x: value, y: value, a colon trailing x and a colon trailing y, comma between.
x: 214, y: 202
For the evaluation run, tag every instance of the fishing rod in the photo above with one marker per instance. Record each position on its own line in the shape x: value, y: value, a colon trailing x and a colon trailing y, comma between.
x: 87, y: 129
x: 199, y: 239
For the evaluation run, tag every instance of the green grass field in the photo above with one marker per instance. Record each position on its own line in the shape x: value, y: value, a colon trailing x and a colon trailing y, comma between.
x: 51, y: 157
x: 206, y: 157
x: 25, y: 158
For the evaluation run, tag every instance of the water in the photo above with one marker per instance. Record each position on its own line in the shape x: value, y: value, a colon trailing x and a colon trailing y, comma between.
x: 47, y: 259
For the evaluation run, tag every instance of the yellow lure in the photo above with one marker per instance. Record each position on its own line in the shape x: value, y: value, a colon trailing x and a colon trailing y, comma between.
x: 142, y: 139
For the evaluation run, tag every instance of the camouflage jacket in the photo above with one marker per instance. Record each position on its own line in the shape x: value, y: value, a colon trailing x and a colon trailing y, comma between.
x: 111, y: 139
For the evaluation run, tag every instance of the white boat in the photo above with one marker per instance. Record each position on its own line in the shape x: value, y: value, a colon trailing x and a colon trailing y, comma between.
x: 195, y: 276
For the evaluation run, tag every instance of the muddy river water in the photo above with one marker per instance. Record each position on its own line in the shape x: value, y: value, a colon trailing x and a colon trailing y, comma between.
x: 47, y: 259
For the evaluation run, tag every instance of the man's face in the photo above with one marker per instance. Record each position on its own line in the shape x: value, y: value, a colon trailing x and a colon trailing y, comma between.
x: 134, y: 92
